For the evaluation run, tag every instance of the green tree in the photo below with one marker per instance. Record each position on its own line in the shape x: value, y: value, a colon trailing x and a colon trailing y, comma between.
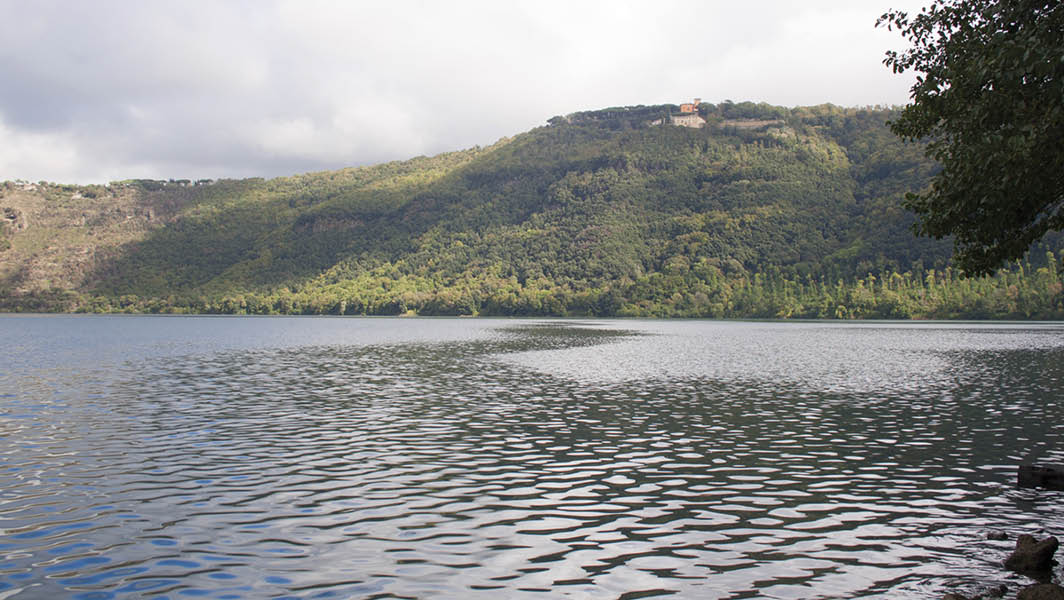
x: 989, y: 100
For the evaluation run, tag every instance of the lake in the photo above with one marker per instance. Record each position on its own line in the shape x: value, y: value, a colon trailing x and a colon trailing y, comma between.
x: 281, y: 457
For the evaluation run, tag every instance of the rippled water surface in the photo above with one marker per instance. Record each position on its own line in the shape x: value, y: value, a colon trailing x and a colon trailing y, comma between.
x: 176, y: 457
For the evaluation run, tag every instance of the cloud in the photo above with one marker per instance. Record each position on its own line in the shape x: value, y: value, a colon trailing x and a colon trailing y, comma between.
x: 22, y: 151
x: 121, y: 88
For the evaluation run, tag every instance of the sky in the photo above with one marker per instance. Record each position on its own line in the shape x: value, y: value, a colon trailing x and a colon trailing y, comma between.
x: 92, y: 92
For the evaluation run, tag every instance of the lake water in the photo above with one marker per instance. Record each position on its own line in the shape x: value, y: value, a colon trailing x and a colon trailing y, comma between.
x: 246, y: 457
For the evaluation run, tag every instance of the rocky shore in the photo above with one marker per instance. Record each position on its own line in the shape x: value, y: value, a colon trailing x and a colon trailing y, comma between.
x: 1031, y: 557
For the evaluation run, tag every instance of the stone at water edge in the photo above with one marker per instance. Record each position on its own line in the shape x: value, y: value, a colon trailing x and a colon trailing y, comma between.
x: 1032, y: 556
x: 1042, y: 591
x: 997, y: 591
x: 1050, y: 477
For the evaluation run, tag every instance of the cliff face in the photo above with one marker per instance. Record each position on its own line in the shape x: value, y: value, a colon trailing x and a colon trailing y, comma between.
x: 58, y: 235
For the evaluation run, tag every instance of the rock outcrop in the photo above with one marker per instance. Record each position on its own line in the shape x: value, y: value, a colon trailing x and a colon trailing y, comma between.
x: 13, y: 218
x: 1031, y: 555
x: 1042, y: 591
x: 1050, y: 477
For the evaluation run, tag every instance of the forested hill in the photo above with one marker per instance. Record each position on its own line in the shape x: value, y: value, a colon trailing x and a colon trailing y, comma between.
x: 763, y: 212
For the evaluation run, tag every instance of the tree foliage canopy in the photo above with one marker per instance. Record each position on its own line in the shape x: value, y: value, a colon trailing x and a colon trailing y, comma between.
x: 989, y: 100
x: 766, y: 212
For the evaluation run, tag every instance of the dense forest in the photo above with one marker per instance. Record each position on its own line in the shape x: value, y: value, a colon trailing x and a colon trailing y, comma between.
x: 765, y: 212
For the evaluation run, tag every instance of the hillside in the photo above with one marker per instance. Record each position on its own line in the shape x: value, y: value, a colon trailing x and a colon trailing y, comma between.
x: 764, y: 212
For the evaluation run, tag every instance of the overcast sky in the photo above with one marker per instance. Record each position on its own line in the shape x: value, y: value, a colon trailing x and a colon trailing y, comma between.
x: 94, y: 91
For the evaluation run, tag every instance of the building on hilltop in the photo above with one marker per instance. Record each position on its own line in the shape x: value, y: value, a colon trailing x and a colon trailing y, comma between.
x: 688, y: 120
x: 688, y: 116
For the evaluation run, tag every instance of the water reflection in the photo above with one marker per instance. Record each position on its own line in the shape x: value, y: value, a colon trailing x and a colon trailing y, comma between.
x: 699, y: 460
